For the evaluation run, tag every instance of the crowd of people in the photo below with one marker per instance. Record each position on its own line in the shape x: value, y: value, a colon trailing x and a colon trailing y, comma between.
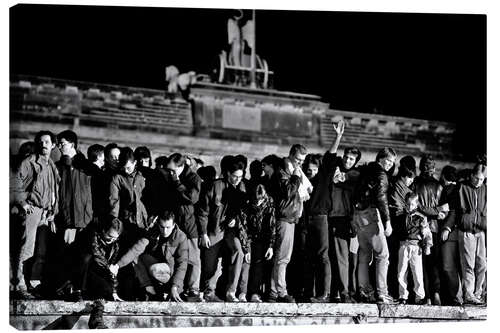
x: 306, y: 227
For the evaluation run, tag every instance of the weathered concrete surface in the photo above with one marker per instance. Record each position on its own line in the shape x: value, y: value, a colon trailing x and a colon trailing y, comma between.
x: 34, y: 315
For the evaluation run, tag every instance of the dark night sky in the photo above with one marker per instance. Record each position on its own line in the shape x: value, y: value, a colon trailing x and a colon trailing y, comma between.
x: 429, y: 66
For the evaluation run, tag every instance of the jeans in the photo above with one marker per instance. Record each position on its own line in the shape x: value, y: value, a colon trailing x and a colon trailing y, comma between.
x: 210, y: 266
x: 410, y: 254
x: 194, y: 266
x: 282, y: 257
x: 318, y: 234
x: 35, y: 233
x: 450, y: 256
x: 236, y: 262
x: 472, y: 249
x: 343, y: 261
x: 372, y: 242
x: 257, y: 266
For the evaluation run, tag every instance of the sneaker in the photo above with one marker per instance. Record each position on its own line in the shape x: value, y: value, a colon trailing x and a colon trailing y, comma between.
x: 242, y: 298
x: 386, y: 299
x: 402, y: 301
x: 335, y: 299
x: 473, y: 301
x: 272, y: 299
x: 420, y: 301
x: 211, y: 297
x: 23, y: 294
x: 231, y: 297
x: 285, y: 299
x: 255, y: 298
x: 321, y: 299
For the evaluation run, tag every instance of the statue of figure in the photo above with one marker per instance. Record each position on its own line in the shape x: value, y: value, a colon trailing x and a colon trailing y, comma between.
x: 176, y: 81
x: 237, y: 36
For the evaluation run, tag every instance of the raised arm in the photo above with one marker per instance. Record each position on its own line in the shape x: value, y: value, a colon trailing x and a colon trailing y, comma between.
x: 339, y: 130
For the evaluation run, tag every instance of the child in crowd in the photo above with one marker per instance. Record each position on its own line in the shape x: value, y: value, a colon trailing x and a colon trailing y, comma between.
x: 416, y: 235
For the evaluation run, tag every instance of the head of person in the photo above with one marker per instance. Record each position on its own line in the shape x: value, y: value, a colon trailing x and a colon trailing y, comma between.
x: 224, y: 161
x: 95, y: 154
x: 127, y: 161
x: 297, y: 155
x: 199, y: 162
x: 67, y: 141
x: 26, y: 149
x: 111, y: 230
x: 407, y: 169
x: 411, y: 200
x: 258, y: 194
x: 45, y: 141
x: 311, y: 165
x: 427, y: 165
x: 166, y: 223
x: 449, y: 174
x: 207, y: 173
x: 270, y: 164
x: 234, y: 172
x: 351, y: 157
x: 176, y: 163
x: 256, y: 170
x: 112, y: 155
x: 161, y: 162
x: 143, y: 156
x: 386, y: 157
x: 478, y: 175
x: 244, y: 160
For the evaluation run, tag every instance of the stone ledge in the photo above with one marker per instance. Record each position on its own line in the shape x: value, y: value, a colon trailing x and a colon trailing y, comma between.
x: 434, y: 312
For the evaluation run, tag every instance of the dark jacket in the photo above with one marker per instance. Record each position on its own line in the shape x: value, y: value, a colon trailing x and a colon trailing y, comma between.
x: 99, y: 191
x: 448, y: 197
x: 397, y: 194
x: 173, y: 251
x: 261, y: 223
x: 181, y: 195
x: 219, y: 203
x: 104, y: 255
x: 75, y: 192
x: 372, y: 189
x: 469, y: 208
x: 288, y: 204
x: 26, y: 185
x: 321, y: 200
x: 429, y: 190
x: 125, y: 198
x: 342, y: 193
x: 411, y: 229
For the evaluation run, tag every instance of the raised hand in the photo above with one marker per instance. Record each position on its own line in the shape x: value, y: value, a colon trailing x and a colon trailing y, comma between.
x: 338, y: 127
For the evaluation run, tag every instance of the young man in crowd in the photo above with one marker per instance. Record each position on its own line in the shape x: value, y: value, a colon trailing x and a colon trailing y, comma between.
x: 162, y: 259
x: 95, y: 155
x: 429, y: 191
x: 35, y: 191
x: 372, y: 224
x: 219, y: 204
x: 289, y: 209
x: 183, y: 188
x: 469, y: 209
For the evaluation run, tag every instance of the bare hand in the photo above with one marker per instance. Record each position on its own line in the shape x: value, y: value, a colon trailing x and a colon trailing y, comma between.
x: 116, y: 298
x: 388, y: 229
x: 441, y: 215
x: 247, y: 257
x: 444, y: 235
x: 52, y: 224
x: 338, y: 127
x: 69, y: 235
x: 205, y: 241
x: 296, y: 172
x: 269, y: 253
x: 28, y: 209
x: 174, y: 293
x: 232, y: 223
x: 114, y: 269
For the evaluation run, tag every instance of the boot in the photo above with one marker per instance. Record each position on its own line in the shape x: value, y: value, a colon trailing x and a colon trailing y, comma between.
x: 96, y: 320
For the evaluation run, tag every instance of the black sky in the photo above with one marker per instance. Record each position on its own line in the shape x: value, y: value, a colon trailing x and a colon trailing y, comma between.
x: 430, y: 66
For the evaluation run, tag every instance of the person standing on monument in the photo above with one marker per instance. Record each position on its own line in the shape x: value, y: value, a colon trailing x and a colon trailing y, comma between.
x: 372, y: 224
